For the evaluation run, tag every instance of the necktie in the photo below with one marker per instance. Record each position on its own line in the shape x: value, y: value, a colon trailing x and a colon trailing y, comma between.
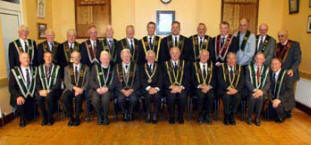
x: 258, y: 75
x: 231, y: 72
x: 51, y: 46
x: 27, y: 77
x: 222, y: 42
x: 26, y: 47
x: 94, y: 49
x: 131, y: 45
x: 260, y: 44
x: 175, y: 41
x: 76, y: 73
x: 110, y: 44
x: 175, y: 67
x: 126, y: 67
x: 201, y: 41
x: 273, y: 84
x: 204, y: 71
x: 150, y: 68
x: 150, y: 43
x: 71, y: 46
x: 48, y: 73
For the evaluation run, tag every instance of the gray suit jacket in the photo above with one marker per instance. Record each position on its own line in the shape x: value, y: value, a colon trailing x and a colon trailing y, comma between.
x: 68, y: 81
x: 251, y: 87
x: 267, y: 48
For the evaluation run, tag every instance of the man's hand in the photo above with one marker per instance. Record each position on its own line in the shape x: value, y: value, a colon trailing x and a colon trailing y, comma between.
x: 174, y: 89
x: 152, y: 91
x: 290, y: 72
x: 43, y: 93
x: 257, y: 93
x: 231, y: 91
x: 20, y: 100
x: 77, y: 91
x: 205, y: 88
x: 276, y: 103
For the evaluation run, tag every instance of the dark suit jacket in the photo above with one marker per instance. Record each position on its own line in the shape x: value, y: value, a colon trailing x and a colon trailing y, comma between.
x: 55, y: 88
x: 14, y: 55
x: 293, y: 59
x: 156, y: 79
x: 42, y: 47
x: 223, y: 85
x: 68, y: 82
x: 195, y: 80
x: 136, y: 55
x: 136, y: 84
x: 143, y: 53
x: 165, y: 47
x: 251, y: 87
x: 114, y: 50
x: 286, y: 92
x: 86, y: 52
x: 194, y: 50
x: 232, y: 48
x: 267, y: 49
x: 64, y: 58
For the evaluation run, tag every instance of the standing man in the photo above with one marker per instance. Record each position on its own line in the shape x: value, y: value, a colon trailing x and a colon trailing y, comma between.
x: 258, y: 84
x: 20, y: 45
x: 67, y: 47
x: 175, y: 40
x: 151, y: 42
x: 49, y: 45
x: 265, y: 43
x: 199, y: 42
x: 111, y: 44
x: 22, y: 85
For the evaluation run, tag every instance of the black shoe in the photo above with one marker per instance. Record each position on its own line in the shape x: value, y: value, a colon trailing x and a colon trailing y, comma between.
x: 288, y: 114
x: 125, y: 117
x: 200, y: 119
x: 100, y: 121
x: 232, y: 120
x: 172, y: 120
x: 77, y: 122
x: 226, y: 120
x: 44, y: 122
x: 106, y: 121
x: 154, y: 119
x: 279, y: 120
x: 130, y: 117
x: 22, y: 123
x: 181, y: 120
x: 208, y: 120
x: 257, y: 122
x: 71, y: 122
x: 148, y: 119
x: 50, y: 122
x: 249, y: 121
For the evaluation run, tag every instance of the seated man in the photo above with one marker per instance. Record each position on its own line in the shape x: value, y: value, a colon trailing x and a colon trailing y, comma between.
x: 204, y: 82
x: 48, y: 87
x: 22, y: 86
x: 258, y: 84
x: 176, y: 84
x: 280, y: 91
x: 128, y: 77
x: 230, y: 81
x: 151, y: 82
x: 76, y: 78
x: 102, y: 84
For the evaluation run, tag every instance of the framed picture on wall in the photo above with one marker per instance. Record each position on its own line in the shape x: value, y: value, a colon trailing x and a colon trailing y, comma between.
x: 293, y: 6
x: 41, y: 8
x: 309, y: 24
x: 41, y: 30
x: 164, y: 22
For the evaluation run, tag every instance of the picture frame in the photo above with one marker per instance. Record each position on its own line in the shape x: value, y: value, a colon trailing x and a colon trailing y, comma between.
x: 309, y: 24
x: 309, y: 3
x: 41, y: 30
x: 293, y: 6
x: 41, y: 6
x: 164, y: 22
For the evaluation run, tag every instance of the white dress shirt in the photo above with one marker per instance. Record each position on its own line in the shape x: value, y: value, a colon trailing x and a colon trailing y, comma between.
x: 24, y: 72
x: 23, y: 43
x: 126, y: 69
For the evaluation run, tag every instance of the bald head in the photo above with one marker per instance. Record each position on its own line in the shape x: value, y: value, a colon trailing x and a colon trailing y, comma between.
x: 260, y: 58
x: 130, y: 31
x: 150, y: 56
x: 276, y: 64
x: 175, y: 53
x: 283, y: 36
x: 23, y: 32
x: 263, y: 29
x: 204, y: 56
x: 126, y: 55
x: 104, y: 58
x: 244, y: 23
x: 50, y: 35
x: 71, y: 35
x: 109, y: 32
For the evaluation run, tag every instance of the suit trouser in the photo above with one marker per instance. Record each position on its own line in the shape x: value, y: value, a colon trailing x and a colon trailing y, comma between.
x: 255, y: 102
x: 155, y: 99
x: 101, y: 103
x: 205, y: 99
x: 68, y: 98
x: 27, y: 109
x: 132, y: 102
x: 178, y: 99
x: 231, y: 103
x: 50, y: 99
x: 279, y: 111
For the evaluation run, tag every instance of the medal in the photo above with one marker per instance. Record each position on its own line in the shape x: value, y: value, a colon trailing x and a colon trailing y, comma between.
x: 149, y: 80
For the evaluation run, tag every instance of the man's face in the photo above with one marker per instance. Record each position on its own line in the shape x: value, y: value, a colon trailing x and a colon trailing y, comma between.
x: 105, y: 59
x: 263, y: 30
x: 224, y: 29
x: 50, y: 36
x: 260, y: 59
x: 243, y: 26
x: 109, y: 33
x: 48, y: 58
x: 204, y: 56
x: 126, y: 57
x: 75, y: 57
x: 231, y: 59
x: 151, y: 29
x: 24, y: 59
x: 23, y: 34
x: 175, y: 29
x: 201, y: 30
x: 275, y: 65
x: 282, y: 37
x: 93, y: 33
x: 71, y: 37
x: 130, y: 32
x: 175, y: 54
x: 150, y: 57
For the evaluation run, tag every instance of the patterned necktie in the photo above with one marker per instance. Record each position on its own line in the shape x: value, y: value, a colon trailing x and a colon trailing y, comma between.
x: 48, y: 73
x: 110, y: 44
x: 51, y: 46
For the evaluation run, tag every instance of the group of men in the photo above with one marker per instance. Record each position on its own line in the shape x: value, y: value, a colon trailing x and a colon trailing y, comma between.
x: 229, y: 66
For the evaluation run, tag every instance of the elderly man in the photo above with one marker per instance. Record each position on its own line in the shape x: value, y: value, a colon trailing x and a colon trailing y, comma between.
x: 67, y: 47
x: 199, y: 42
x: 110, y: 44
x: 22, y: 85
x: 103, y: 83
x: 151, y: 83
x: 20, y: 45
x: 151, y: 42
x: 48, y: 87
x: 258, y: 84
x: 265, y: 43
x: 131, y: 43
x: 222, y: 44
x: 230, y: 81
x: 290, y: 53
x: 175, y: 40
x: 76, y: 81
x: 281, y: 91
x: 205, y: 81
x: 49, y: 45
x: 128, y: 76
x: 176, y: 84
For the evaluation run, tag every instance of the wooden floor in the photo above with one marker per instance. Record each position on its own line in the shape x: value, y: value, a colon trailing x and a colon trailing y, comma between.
x: 295, y: 131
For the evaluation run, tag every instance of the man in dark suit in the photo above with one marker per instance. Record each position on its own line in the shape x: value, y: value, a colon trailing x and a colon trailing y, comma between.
x: 22, y: 84
x: 230, y: 81
x: 132, y: 44
x: 67, y: 47
x: 204, y: 76
x: 176, y: 84
x: 222, y: 44
x: 49, y: 45
x: 151, y: 42
x: 48, y: 87
x: 128, y: 76
x: 103, y: 82
x: 91, y: 48
x: 151, y: 83
x: 258, y: 84
x: 265, y: 43
x: 20, y: 45
x: 111, y: 45
x: 175, y: 40
x: 76, y: 83
x: 281, y: 91
x: 198, y: 42
x: 290, y: 54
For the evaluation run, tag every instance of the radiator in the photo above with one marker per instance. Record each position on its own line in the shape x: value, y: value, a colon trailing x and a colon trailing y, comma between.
x: 303, y: 92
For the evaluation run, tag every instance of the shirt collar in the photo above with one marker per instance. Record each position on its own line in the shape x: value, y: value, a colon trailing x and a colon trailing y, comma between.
x: 285, y: 43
